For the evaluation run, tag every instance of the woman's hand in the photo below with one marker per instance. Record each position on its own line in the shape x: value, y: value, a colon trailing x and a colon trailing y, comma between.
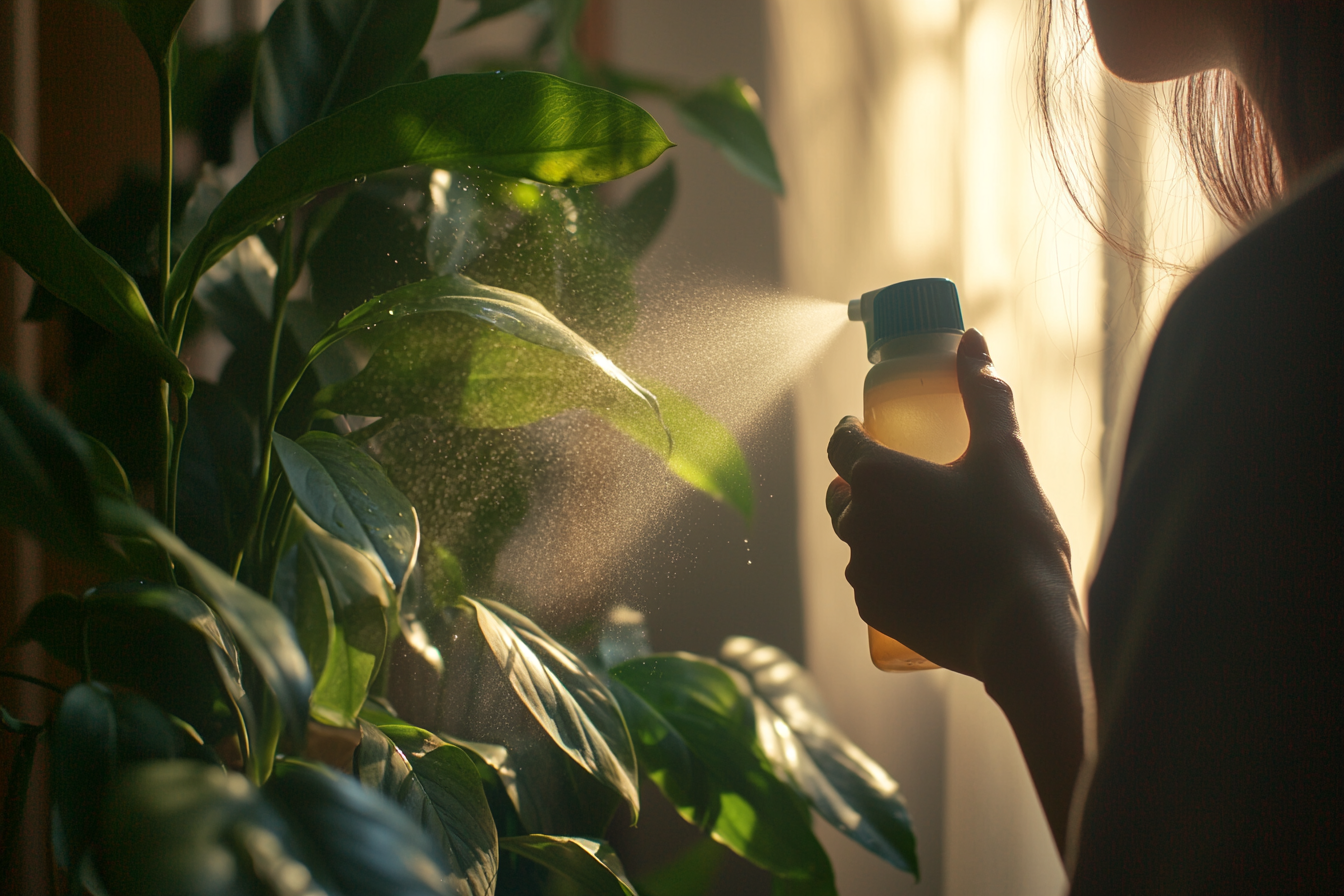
x: 966, y: 563
x: 959, y: 561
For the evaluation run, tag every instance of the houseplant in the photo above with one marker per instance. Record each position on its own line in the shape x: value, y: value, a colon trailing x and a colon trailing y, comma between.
x: 227, y: 676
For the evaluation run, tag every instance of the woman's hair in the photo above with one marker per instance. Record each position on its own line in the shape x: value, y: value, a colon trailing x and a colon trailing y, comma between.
x: 1226, y: 139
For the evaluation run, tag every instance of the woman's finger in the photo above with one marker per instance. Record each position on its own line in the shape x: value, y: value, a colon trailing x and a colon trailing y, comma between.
x: 849, y: 444
x: 837, y: 499
x: 987, y: 398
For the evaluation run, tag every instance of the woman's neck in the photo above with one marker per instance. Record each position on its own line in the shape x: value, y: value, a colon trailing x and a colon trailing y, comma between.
x: 1292, y: 62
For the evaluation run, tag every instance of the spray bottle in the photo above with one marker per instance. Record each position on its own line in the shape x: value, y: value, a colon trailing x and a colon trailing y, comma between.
x: 911, y: 400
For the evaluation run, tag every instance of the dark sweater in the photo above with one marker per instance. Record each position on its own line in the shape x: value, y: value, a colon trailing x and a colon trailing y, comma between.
x: 1216, y: 611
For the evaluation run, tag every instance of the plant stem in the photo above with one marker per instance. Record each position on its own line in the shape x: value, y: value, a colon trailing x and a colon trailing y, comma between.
x: 165, y: 497
x: 270, y: 409
x: 165, y: 187
x: 178, y: 436
x: 284, y: 282
x: 258, y: 498
x: 161, y: 494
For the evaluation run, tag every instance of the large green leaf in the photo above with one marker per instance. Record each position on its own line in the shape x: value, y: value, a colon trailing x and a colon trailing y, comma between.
x: 95, y: 733
x: 510, y: 312
x: 437, y: 784
x: 692, y: 871
x: 563, y: 247
x: 842, y: 783
x: 520, y: 124
x: 725, y: 113
x: 347, y: 493
x: 471, y: 488
x: 261, y: 630
x: 543, y: 789
x: 155, y: 22
x: 44, y: 472
x: 419, y: 371
x: 369, y: 845
x: 187, y: 829
x: 339, y: 602
x: 726, y: 786
x: 36, y: 232
x: 704, y: 453
x: 128, y: 633
x: 214, y: 485
x: 590, y: 865
x: 318, y: 56
x: 573, y: 706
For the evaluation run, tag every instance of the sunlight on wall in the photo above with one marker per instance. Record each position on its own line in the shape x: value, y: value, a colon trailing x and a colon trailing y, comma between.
x: 906, y: 136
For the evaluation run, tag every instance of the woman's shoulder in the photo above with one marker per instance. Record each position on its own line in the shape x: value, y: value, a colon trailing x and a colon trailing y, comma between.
x: 1266, y: 315
x: 1291, y: 260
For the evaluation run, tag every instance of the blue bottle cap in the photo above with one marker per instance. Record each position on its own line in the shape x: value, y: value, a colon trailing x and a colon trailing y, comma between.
x: 908, y: 308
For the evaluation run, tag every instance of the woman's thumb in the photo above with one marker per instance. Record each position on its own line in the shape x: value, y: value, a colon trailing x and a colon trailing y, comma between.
x: 987, y: 398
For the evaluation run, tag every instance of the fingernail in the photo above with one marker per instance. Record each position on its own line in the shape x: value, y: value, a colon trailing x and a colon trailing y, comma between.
x: 974, y: 344
x: 848, y: 420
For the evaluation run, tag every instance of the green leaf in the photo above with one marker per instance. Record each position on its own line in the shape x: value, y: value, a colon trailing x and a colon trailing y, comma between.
x: 490, y: 9
x: 384, y: 514
x: 262, y: 631
x: 520, y: 124
x: 704, y: 453
x: 96, y: 732
x: 638, y: 222
x: 187, y: 829
x: 370, y: 845
x: 438, y: 785
x: 564, y: 248
x: 214, y: 485
x: 726, y: 787
x: 318, y: 56
x: 473, y: 512
x: 842, y: 783
x: 44, y: 472
x: 210, y: 88
x: 592, y: 865
x: 105, y: 471
x: 692, y: 871
x: 573, y: 706
x: 499, y: 781
x: 340, y: 607
x: 133, y: 631
x: 504, y: 384
x: 155, y: 23
x: 725, y: 113
x: 36, y: 232
x: 510, y: 312
x: 544, y: 789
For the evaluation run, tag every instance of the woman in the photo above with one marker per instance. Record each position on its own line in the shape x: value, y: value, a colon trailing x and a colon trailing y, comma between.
x: 1210, y: 759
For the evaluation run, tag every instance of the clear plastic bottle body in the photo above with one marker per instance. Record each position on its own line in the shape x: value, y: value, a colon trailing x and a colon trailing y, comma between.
x: 912, y: 403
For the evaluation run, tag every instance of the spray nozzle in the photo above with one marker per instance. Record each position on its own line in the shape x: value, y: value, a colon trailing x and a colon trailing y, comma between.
x: 908, y: 308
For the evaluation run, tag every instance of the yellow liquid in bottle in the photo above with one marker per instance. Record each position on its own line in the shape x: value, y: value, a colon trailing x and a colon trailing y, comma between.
x: 913, y: 405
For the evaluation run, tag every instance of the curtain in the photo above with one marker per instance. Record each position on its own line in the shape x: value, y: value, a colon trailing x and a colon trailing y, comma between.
x: 906, y: 136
